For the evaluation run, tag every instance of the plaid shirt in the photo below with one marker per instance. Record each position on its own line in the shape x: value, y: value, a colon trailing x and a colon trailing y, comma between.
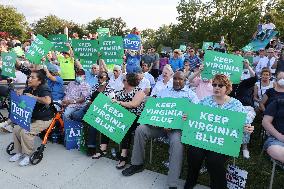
x: 75, y: 91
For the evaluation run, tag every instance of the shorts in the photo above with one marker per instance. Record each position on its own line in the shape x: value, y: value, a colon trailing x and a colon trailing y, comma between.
x: 272, y: 141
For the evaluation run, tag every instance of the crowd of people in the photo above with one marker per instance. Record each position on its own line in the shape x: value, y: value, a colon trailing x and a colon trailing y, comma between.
x: 147, y: 73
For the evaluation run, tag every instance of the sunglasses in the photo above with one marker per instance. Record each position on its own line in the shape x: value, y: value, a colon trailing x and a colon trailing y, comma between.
x: 219, y: 85
x: 191, y: 51
x: 102, y: 76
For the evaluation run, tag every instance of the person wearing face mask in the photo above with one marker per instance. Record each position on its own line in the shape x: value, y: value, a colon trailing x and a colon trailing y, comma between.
x: 273, y: 93
x: 90, y: 75
x: 76, y: 94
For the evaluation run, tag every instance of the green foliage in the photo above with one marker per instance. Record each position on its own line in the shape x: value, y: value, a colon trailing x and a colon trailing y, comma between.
x: 275, y: 11
x: 53, y: 25
x: 13, y: 22
x: 207, y: 21
x: 116, y: 25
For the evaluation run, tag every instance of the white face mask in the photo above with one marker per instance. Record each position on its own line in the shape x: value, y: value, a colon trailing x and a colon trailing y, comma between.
x: 281, y: 82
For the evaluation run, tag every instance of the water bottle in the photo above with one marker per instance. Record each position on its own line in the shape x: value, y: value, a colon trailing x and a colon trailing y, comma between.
x: 113, y: 152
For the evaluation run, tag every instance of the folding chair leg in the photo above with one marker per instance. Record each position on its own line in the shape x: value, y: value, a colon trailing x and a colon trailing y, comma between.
x: 151, y: 150
x: 272, y: 175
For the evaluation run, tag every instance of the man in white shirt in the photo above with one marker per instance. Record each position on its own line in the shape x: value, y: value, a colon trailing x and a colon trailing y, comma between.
x: 116, y: 78
x: 144, y: 132
x: 262, y: 62
x: 266, y: 61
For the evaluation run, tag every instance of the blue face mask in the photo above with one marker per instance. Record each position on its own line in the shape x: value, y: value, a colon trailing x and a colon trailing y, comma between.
x: 79, y: 79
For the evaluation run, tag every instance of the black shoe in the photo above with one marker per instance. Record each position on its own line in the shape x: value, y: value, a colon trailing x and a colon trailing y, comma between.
x: 172, y: 187
x: 132, y: 170
x: 91, y: 151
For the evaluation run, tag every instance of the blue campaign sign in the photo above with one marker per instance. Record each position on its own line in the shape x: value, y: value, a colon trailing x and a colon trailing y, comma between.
x: 73, y: 130
x: 132, y: 42
x: 21, y: 110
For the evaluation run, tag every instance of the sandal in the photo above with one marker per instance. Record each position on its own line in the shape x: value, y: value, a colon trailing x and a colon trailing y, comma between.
x: 101, y: 153
x: 120, y: 160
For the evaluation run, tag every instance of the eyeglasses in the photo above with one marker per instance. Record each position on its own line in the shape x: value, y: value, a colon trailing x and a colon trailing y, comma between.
x: 191, y: 51
x: 219, y: 85
x: 94, y: 68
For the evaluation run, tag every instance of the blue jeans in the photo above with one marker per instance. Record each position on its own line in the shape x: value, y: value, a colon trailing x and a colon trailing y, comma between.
x: 68, y: 112
x: 78, y: 114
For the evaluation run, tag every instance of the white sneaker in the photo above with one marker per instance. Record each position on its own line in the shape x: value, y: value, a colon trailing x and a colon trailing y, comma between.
x: 8, y: 128
x: 16, y: 157
x: 4, y: 124
x: 25, y: 161
x: 246, y: 154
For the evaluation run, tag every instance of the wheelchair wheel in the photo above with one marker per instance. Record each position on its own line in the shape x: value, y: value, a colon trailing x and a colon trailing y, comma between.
x: 37, y: 156
x: 10, y: 148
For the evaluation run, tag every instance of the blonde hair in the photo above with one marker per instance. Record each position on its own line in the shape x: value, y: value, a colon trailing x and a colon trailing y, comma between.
x: 169, y: 68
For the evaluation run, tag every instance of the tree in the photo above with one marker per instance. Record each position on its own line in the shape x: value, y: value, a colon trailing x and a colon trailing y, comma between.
x: 234, y: 19
x: 275, y: 12
x: 116, y: 25
x: 13, y: 22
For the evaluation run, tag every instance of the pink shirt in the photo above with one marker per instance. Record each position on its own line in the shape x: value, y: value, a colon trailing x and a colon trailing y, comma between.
x: 203, y: 88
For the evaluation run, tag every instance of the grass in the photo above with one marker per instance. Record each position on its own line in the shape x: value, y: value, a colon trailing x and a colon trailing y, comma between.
x: 259, y: 165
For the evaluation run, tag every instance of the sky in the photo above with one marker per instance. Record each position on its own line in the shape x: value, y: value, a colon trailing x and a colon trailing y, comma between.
x: 142, y: 14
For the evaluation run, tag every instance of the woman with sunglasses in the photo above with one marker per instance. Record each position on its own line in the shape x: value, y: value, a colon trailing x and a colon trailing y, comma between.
x: 215, y: 162
x: 131, y: 97
x: 101, y: 87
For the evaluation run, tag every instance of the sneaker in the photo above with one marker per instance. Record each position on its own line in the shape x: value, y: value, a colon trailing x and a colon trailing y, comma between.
x: 16, y: 157
x: 8, y: 128
x: 246, y: 154
x: 132, y: 170
x: 25, y: 161
x: 4, y: 124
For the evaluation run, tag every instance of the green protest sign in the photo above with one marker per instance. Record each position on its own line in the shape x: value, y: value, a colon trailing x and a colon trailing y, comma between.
x: 87, y: 64
x: 248, y: 47
x: 222, y: 63
x: 18, y: 50
x: 206, y: 45
x: 182, y: 47
x: 164, y: 112
x: 103, y: 32
x: 113, y: 61
x: 8, y: 64
x: 59, y: 42
x: 111, y: 47
x: 85, y: 49
x: 214, y: 129
x: 109, y: 118
x: 38, y: 49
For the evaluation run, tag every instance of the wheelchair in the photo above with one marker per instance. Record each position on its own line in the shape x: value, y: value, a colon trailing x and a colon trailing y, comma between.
x: 56, y: 123
x: 4, y: 98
